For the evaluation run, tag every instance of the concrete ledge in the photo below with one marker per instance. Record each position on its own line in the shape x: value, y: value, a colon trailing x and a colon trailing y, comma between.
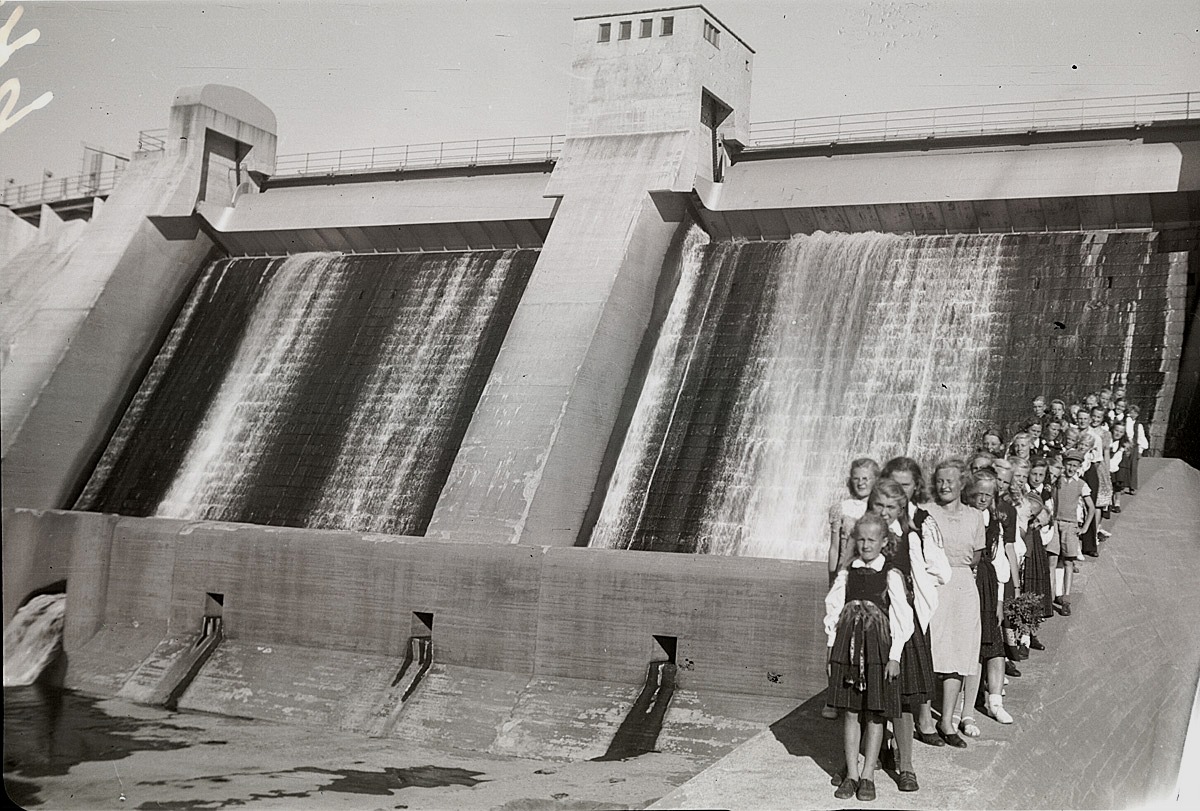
x: 741, y: 624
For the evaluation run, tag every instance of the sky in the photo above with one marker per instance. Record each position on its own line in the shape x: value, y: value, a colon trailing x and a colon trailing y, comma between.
x: 346, y: 75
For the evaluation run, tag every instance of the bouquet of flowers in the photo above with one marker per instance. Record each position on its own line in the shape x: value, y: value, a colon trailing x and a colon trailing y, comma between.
x: 1023, y: 614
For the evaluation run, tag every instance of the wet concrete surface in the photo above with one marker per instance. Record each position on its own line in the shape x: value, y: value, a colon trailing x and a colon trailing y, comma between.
x: 66, y: 750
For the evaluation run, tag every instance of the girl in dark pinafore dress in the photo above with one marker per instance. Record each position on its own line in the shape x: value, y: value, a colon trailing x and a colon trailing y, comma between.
x: 867, y: 621
x: 918, y: 682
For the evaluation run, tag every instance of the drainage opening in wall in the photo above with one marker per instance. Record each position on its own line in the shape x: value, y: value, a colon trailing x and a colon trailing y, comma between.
x: 214, y: 606
x: 664, y: 648
x: 422, y: 623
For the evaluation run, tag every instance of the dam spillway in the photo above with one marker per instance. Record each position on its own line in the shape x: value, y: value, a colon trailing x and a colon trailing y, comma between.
x: 780, y: 361
x: 317, y: 390
x: 413, y: 437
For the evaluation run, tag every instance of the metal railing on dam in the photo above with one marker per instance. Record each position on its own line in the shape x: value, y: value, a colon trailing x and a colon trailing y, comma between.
x: 53, y: 189
x: 1075, y: 115
x: 484, y: 152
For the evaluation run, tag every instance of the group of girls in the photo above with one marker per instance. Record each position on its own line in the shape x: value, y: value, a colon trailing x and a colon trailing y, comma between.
x: 914, y: 615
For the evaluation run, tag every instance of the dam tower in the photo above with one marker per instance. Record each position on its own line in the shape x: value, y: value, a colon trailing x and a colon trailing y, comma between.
x: 654, y: 97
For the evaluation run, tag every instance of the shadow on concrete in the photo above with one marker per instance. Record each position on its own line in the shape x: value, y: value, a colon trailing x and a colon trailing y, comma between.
x: 804, y: 733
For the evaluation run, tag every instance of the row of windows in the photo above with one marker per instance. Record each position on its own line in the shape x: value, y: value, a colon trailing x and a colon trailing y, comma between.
x: 645, y: 29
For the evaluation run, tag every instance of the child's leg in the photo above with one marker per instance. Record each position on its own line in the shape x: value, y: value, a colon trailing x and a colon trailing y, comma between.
x: 851, y: 738
x: 904, y: 726
x: 995, y: 685
x: 1067, y: 572
x: 995, y: 676
x: 970, y: 693
x: 950, y: 687
x: 970, y: 697
x: 925, y: 718
x: 873, y: 739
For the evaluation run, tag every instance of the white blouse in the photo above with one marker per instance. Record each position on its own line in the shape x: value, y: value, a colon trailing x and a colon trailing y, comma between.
x: 900, y: 615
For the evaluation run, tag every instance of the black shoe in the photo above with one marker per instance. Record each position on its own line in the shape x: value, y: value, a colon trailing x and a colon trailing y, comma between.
x: 1036, y: 644
x: 907, y: 782
x: 847, y: 789
x: 1010, y: 669
x: 866, y: 790
x: 1106, y: 512
x: 928, y: 738
x: 837, y: 779
x: 953, y: 739
x: 1023, y: 650
x: 1115, y: 509
x: 1092, y: 554
x: 1066, y: 609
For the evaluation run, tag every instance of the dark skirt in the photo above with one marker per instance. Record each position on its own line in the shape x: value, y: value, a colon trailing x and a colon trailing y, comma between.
x: 991, y: 639
x: 918, y: 682
x: 1135, y: 457
x: 1035, y: 577
x: 1124, y: 474
x: 1087, y: 536
x: 857, y: 662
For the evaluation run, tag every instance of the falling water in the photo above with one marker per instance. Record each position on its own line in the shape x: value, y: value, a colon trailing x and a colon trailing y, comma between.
x: 33, y: 638
x: 277, y: 348
x: 319, y: 390
x: 407, y: 409
x: 641, y: 453
x: 808, y: 354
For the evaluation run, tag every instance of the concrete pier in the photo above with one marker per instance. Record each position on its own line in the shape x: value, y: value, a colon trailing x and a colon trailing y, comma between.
x: 69, y: 378
x: 646, y: 113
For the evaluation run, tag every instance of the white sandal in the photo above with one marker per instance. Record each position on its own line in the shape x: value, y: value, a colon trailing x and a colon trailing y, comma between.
x: 968, y: 727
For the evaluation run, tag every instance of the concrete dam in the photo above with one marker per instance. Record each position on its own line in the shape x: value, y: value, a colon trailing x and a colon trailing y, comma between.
x: 508, y: 418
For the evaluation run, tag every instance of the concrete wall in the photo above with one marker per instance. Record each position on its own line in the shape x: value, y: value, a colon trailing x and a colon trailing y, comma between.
x: 449, y: 210
x: 32, y: 318
x: 652, y: 84
x: 1130, y: 164
x: 743, y: 625
x: 115, y: 296
x: 532, y: 455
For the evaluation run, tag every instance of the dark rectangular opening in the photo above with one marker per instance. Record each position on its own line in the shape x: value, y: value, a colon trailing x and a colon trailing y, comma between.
x: 668, y: 27
x: 214, y: 602
x: 646, y: 29
x: 664, y: 648
x: 626, y: 30
x: 605, y: 32
x: 422, y: 623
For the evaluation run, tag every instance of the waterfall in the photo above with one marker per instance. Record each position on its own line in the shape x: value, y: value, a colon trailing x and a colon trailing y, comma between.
x: 33, y: 638
x: 407, y: 407
x: 322, y: 390
x: 642, y: 450
x: 805, y: 355
x: 278, y: 346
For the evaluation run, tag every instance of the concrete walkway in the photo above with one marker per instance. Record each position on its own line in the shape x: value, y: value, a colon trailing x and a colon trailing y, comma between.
x: 1101, y: 718
x: 1101, y: 715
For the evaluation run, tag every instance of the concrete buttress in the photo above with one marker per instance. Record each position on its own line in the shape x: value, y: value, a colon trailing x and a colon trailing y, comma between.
x: 650, y: 104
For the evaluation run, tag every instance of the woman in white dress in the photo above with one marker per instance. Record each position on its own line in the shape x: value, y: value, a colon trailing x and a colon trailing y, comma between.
x: 954, y: 632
